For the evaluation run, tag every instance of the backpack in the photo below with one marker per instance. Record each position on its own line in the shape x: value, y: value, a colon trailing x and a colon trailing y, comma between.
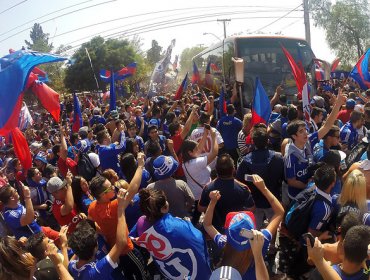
x: 85, y: 168
x: 297, y: 218
x: 355, y: 154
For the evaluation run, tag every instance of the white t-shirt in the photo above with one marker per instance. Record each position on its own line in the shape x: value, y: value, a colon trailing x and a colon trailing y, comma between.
x: 197, y: 135
x: 200, y: 171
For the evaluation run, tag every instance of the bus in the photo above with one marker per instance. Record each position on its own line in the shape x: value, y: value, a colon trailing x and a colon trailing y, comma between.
x: 263, y: 57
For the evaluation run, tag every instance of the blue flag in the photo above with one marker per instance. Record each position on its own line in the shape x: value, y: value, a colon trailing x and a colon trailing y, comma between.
x: 77, y: 116
x: 360, y: 73
x: 112, y: 100
x: 15, y: 69
x: 261, y: 108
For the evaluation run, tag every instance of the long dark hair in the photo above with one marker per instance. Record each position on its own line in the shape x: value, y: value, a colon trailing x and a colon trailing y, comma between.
x: 77, y: 193
x: 151, y: 203
x: 187, y: 146
x: 128, y: 166
x: 130, y: 143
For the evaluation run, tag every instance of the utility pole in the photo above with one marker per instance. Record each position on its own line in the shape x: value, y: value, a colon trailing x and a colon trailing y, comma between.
x: 306, y: 22
x: 224, y: 22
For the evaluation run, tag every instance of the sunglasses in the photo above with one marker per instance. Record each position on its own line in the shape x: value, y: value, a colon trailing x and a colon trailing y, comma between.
x: 107, y: 190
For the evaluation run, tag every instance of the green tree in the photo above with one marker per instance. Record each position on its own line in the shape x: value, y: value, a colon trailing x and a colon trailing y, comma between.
x: 39, y: 40
x: 186, y: 64
x: 153, y: 55
x: 346, y: 24
x: 110, y: 54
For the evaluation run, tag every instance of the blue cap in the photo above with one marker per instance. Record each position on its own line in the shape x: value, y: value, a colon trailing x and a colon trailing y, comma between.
x: 350, y: 104
x: 164, y: 167
x: 235, y: 222
x: 83, y: 146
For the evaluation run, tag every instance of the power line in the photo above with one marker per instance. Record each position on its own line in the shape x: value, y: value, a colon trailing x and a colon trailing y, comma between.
x: 102, y: 3
x: 12, y: 7
x: 33, y: 20
x: 267, y: 25
x: 162, y: 23
x: 124, y: 34
x: 204, y: 7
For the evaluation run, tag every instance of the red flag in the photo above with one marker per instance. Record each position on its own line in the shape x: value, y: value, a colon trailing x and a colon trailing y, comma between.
x: 48, y: 98
x: 21, y: 148
x: 301, y: 82
x: 335, y: 64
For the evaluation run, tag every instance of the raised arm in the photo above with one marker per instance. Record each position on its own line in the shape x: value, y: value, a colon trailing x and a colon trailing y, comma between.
x: 276, y: 96
x: 208, y: 216
x: 136, y: 180
x: 29, y: 216
x: 188, y: 123
x: 341, y: 99
x: 69, y: 201
x: 63, y: 153
x: 257, y: 243
x: 212, y: 155
x: 274, y: 203
x: 316, y: 255
x: 121, y: 234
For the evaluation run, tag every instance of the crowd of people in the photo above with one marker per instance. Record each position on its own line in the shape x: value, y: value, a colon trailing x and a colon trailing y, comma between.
x: 179, y: 189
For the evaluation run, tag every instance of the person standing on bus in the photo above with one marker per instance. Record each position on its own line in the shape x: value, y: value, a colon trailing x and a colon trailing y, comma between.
x: 229, y: 127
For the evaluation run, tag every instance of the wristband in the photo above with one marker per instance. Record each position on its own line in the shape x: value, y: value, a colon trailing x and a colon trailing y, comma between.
x: 26, y: 197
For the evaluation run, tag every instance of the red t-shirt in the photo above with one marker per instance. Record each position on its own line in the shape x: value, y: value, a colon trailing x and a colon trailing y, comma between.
x: 71, y: 220
x: 344, y: 115
x: 64, y: 165
x: 177, y: 143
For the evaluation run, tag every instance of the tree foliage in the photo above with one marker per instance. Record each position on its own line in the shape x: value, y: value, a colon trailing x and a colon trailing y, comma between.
x: 39, y: 40
x: 105, y: 54
x: 153, y: 55
x: 346, y: 24
x: 186, y: 56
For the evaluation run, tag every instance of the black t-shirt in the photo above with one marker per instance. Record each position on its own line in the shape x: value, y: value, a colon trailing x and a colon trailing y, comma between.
x: 267, y: 164
x: 234, y: 197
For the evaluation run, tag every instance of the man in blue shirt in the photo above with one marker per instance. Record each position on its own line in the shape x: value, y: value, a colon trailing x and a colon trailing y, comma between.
x: 229, y: 127
x: 298, y: 154
x: 97, y: 118
x: 83, y: 242
x: 108, y: 152
x: 348, y: 133
x: 324, y: 178
x: 330, y: 141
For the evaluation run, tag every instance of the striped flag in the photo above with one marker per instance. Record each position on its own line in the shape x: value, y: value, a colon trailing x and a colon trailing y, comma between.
x: 25, y: 118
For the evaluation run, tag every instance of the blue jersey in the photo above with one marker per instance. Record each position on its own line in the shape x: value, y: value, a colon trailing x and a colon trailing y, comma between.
x: 319, y: 151
x: 108, y: 154
x: 297, y: 163
x: 229, y: 127
x: 321, y: 211
x: 177, y: 247
x: 101, y: 269
x: 12, y: 218
x: 360, y: 275
x: 349, y: 135
x: 97, y: 119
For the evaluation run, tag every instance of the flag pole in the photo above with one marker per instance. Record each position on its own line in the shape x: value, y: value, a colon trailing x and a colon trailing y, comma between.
x: 92, y: 69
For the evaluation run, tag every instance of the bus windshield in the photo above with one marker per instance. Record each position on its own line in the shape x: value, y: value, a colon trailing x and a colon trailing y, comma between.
x: 264, y: 58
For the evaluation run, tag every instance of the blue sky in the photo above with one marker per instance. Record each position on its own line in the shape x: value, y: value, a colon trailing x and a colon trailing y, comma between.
x: 142, y: 16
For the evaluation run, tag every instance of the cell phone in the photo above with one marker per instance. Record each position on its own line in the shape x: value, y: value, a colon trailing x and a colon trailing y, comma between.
x: 248, y: 178
x: 247, y: 233
x: 310, y: 237
x: 207, y: 126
